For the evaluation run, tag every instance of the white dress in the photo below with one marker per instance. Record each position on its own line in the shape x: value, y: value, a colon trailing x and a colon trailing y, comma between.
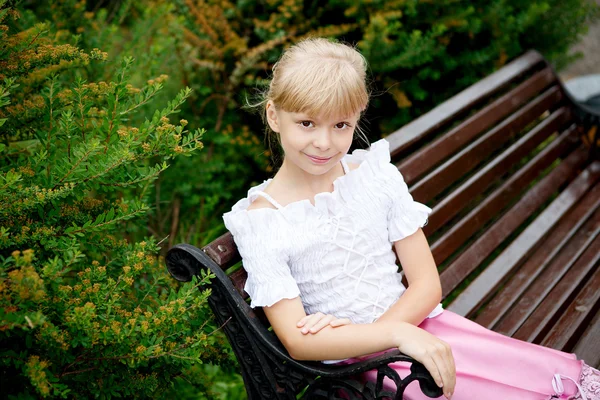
x: 337, y: 254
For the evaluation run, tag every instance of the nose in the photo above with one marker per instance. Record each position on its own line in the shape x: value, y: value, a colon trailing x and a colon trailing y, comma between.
x: 322, y: 139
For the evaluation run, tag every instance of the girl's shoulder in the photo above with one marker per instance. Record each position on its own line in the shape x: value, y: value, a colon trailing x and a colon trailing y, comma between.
x: 251, y: 213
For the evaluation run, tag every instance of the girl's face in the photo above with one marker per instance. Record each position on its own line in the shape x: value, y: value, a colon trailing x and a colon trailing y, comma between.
x: 313, y: 144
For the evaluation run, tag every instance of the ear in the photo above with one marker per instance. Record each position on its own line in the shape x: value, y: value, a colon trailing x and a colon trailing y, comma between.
x: 272, y: 116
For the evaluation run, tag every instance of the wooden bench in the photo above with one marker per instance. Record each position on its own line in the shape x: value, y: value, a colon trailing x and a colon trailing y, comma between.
x: 510, y: 167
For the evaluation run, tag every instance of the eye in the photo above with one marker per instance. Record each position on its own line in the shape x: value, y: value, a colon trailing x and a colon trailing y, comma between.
x: 306, y: 124
x: 342, y: 125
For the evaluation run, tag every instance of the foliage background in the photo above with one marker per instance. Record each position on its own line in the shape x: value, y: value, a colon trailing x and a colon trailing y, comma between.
x: 420, y: 53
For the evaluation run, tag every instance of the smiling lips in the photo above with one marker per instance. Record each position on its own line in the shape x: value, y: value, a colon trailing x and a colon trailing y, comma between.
x: 318, y: 160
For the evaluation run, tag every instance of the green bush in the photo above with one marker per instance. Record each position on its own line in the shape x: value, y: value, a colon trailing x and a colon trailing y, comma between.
x: 84, y: 311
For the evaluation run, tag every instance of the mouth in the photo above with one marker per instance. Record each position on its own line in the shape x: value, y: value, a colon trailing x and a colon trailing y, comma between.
x: 318, y: 160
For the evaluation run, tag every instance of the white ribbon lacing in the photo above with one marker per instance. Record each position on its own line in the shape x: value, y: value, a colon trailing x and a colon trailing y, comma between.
x: 560, y: 389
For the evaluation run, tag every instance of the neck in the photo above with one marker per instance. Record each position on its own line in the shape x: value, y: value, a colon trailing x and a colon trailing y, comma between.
x: 306, y: 183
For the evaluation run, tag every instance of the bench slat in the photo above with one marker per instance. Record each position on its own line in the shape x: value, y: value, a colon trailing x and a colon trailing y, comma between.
x: 489, y: 279
x: 423, y: 160
x: 493, y: 204
x: 550, y: 252
x: 423, y: 126
x: 238, y: 278
x: 472, y: 155
x: 478, y: 183
x: 538, y: 323
x: 556, y: 272
x: 583, y: 307
x: 223, y: 251
x: 588, y: 347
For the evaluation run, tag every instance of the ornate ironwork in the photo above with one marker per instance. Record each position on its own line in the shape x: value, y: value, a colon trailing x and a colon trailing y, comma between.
x: 267, y: 369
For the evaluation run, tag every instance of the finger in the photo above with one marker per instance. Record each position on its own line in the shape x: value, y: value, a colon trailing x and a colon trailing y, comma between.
x: 340, y: 321
x: 311, y: 320
x: 302, y: 321
x: 452, y: 368
x: 433, y: 369
x: 439, y: 358
x: 450, y: 381
x: 322, y: 323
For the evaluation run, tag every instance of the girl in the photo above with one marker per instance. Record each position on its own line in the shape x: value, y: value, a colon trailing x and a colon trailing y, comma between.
x: 318, y: 240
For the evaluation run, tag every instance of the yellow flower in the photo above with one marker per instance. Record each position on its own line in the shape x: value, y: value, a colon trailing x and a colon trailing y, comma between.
x: 28, y: 254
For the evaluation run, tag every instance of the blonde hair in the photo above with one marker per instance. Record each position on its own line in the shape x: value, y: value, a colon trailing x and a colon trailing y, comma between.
x: 316, y: 76
x: 319, y: 77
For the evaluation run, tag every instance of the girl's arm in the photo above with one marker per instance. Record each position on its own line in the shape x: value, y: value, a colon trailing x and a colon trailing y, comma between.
x: 330, y: 343
x: 424, y: 287
x: 360, y: 339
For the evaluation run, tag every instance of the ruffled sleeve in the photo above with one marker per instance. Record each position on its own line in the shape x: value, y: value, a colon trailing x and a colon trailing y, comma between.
x: 263, y: 255
x: 405, y: 215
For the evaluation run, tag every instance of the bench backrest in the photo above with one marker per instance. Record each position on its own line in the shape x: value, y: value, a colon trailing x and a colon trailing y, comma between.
x: 493, y: 147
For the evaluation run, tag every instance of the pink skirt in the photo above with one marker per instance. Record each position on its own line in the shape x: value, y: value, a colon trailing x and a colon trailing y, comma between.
x: 492, y: 366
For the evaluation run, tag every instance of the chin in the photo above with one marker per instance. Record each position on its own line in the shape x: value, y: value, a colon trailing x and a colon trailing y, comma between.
x: 319, y: 169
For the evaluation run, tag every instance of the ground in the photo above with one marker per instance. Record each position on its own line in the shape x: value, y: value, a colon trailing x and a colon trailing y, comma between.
x: 589, y: 45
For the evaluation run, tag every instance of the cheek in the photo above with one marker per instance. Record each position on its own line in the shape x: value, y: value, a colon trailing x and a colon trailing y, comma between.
x: 292, y: 139
x: 344, y: 140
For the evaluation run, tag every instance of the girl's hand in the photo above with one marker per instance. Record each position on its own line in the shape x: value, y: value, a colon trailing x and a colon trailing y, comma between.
x: 313, y: 323
x: 433, y: 353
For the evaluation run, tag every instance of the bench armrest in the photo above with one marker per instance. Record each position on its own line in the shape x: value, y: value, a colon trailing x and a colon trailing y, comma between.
x: 257, y: 348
